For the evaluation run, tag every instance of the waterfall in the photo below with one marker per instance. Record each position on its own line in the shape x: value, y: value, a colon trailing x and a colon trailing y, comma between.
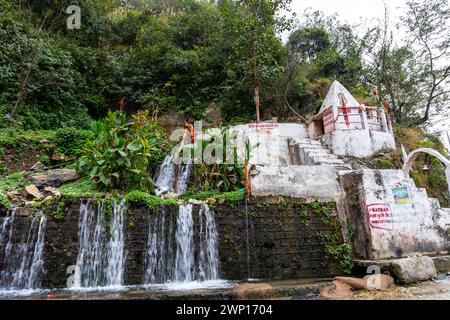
x: 183, y: 176
x: 184, y: 262
x: 159, y: 259
x: 100, y: 260
x: 22, y: 255
x: 164, y: 182
x: 209, y: 260
x: 37, y: 265
x: 188, y: 254
x: 170, y: 180
x: 116, y: 244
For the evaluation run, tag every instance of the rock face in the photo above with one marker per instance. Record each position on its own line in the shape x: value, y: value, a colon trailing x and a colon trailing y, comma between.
x: 419, y: 228
x: 411, y: 270
x: 213, y: 115
x: 54, y: 178
x: 171, y: 120
x: 252, y: 291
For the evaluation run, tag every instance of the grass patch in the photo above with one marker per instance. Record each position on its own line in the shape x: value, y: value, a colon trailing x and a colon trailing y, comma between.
x: 4, y: 201
x: 80, y: 188
x: 18, y: 138
x: 232, y: 196
x: 151, y: 201
x: 13, y: 181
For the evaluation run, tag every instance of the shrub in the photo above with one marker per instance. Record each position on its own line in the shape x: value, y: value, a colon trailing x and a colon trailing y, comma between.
x: 120, y: 153
x: 224, y: 177
x: 44, y: 159
x: 70, y: 141
x: 4, y: 201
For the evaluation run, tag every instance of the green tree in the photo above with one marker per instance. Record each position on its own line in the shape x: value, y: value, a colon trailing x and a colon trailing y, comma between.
x: 253, y: 49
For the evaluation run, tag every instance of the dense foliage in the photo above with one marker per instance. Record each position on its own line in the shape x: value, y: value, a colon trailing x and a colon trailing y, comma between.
x: 120, y: 153
x: 182, y: 56
x: 165, y: 55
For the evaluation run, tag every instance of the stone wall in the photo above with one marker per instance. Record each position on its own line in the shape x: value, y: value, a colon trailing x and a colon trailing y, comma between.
x: 286, y: 240
x: 391, y: 217
x: 358, y: 143
x: 304, y: 182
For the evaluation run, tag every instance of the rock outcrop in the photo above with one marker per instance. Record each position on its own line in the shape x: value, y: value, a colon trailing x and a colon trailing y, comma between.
x: 53, y: 178
x: 411, y: 270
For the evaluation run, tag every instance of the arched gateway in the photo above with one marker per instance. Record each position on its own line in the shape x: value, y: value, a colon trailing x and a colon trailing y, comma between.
x: 412, y: 156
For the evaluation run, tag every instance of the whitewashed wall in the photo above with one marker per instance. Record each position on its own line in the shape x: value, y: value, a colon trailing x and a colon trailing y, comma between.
x: 396, y: 218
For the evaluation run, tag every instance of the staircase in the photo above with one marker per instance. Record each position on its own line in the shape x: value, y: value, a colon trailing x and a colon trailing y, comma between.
x: 311, y: 152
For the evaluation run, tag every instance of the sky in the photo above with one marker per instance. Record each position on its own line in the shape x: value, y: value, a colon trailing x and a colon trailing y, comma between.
x: 352, y: 11
x: 358, y: 11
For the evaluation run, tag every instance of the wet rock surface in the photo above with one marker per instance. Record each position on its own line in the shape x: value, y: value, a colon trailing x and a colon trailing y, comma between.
x: 249, y: 291
x: 303, y: 289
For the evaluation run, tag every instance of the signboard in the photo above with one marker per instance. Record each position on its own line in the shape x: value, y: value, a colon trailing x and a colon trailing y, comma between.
x: 328, y: 121
x: 265, y: 126
x: 401, y: 194
x: 380, y: 216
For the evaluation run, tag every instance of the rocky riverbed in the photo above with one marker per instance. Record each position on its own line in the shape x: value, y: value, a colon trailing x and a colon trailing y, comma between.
x: 306, y: 289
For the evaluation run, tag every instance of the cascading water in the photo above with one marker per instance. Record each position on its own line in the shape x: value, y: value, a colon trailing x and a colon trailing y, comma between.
x: 183, y: 176
x: 114, y: 274
x: 209, y: 256
x: 164, y: 182
x: 184, y: 261
x: 171, y: 180
x: 100, y: 260
x: 159, y: 258
x: 22, y: 256
x: 186, y: 255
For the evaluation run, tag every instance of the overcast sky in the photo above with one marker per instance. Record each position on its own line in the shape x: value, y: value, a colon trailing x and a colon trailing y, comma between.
x: 352, y: 11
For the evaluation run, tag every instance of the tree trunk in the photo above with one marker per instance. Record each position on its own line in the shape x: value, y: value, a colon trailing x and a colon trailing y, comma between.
x: 256, y: 89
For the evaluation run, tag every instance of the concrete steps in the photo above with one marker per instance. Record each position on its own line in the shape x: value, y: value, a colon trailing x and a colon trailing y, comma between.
x: 312, y: 152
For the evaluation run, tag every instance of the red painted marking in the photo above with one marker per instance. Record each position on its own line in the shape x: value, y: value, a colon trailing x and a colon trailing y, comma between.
x: 380, y: 216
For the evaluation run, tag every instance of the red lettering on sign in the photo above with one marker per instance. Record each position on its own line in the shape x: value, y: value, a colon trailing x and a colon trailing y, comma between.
x: 380, y: 216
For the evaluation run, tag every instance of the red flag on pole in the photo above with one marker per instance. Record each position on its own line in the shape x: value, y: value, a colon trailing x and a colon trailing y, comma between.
x: 345, y: 110
x: 121, y: 103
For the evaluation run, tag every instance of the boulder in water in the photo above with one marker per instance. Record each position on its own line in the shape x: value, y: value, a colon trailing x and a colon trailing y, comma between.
x: 337, y: 289
x: 369, y: 282
x: 379, y: 282
x: 253, y: 291
x: 343, y: 287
